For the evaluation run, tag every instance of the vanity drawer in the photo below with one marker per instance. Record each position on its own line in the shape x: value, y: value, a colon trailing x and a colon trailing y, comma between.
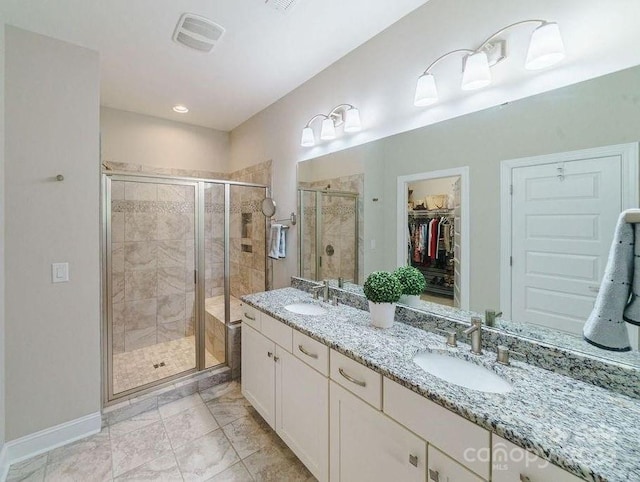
x: 443, y: 468
x: 251, y: 316
x: 357, y: 378
x: 513, y: 464
x: 312, y: 352
x: 457, y: 437
x: 277, y: 331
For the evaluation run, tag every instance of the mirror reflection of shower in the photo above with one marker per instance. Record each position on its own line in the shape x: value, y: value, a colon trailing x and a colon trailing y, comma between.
x: 330, y: 231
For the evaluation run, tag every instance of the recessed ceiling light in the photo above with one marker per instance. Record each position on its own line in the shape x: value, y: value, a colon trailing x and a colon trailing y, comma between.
x: 180, y: 109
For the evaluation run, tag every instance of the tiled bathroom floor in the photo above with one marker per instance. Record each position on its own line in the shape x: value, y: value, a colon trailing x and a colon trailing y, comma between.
x: 214, y: 435
x: 135, y: 368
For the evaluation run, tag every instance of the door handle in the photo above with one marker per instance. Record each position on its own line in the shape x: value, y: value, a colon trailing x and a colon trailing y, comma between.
x: 269, y: 354
x: 594, y: 289
x: 434, y: 475
x: 413, y: 460
x: 524, y: 478
x: 249, y: 317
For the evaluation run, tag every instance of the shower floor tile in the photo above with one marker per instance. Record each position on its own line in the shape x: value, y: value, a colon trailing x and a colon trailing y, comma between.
x: 135, y: 368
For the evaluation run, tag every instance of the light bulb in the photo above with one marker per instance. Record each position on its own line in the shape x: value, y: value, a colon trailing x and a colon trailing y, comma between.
x: 308, y: 139
x: 545, y: 47
x: 426, y: 91
x: 352, y: 120
x: 476, y: 72
x: 328, y: 131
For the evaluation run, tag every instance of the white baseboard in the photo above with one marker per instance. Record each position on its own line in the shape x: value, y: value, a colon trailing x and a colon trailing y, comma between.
x: 47, y: 439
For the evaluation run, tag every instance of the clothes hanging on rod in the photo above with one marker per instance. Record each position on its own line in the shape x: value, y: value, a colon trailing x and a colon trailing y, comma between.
x: 430, y: 238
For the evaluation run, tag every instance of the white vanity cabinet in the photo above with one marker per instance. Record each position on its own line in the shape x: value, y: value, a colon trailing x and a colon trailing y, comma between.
x: 348, y: 423
x: 302, y: 412
x: 515, y: 464
x: 366, y: 445
x: 444, y: 469
x: 290, y: 395
x: 259, y: 372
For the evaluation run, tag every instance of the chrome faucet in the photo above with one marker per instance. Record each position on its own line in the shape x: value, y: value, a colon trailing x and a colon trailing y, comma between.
x: 490, y: 317
x: 475, y: 330
x: 315, y: 290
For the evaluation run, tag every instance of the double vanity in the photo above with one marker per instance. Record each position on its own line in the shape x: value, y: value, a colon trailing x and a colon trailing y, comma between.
x: 355, y: 402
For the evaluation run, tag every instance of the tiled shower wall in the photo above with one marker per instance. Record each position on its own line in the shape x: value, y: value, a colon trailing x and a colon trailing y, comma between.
x: 152, y: 249
x: 338, y: 214
x: 247, y: 233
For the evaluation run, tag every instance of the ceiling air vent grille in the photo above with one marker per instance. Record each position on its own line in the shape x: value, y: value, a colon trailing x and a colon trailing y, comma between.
x: 197, y: 32
x: 282, y: 5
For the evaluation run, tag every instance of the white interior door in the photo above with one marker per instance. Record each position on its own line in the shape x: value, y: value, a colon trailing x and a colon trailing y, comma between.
x: 563, y: 219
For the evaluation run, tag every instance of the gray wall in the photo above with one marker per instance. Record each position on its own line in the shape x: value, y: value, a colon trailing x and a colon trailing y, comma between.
x: 52, y: 127
x: 2, y: 178
x: 150, y: 141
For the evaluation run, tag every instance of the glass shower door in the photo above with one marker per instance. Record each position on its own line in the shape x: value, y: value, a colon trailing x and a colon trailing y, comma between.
x: 151, y: 249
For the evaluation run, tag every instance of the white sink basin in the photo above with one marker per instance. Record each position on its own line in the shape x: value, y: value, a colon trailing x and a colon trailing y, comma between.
x: 461, y: 372
x: 306, y: 309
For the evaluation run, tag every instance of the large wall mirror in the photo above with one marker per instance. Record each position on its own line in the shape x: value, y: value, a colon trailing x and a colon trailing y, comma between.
x: 546, y: 178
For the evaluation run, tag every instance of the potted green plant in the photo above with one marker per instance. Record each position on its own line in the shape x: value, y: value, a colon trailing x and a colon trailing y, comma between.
x: 413, y: 284
x: 383, y: 290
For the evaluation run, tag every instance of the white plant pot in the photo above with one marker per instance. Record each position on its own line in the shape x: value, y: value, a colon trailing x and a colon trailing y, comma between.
x: 410, y: 300
x: 382, y: 314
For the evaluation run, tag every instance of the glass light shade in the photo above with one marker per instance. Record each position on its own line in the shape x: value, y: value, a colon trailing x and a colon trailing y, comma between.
x: 426, y: 91
x: 328, y: 131
x: 476, y: 72
x: 352, y: 120
x: 308, y: 139
x: 545, y: 47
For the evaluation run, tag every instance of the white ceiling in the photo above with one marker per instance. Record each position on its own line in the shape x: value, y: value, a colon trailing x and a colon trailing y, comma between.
x: 264, y: 54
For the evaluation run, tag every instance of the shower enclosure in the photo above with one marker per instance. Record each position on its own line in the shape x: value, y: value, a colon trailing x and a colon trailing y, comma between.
x: 178, y: 254
x: 329, y: 223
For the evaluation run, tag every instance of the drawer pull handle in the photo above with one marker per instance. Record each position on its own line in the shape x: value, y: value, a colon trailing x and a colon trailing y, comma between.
x: 413, y: 460
x: 249, y: 317
x: 434, y: 475
x: 312, y: 355
x: 351, y: 379
x: 524, y: 478
x: 276, y: 359
x: 269, y: 354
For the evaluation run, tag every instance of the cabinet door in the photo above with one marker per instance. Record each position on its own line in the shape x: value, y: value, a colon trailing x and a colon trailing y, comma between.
x: 445, y: 469
x: 366, y: 445
x: 515, y: 464
x: 302, y: 412
x: 258, y: 372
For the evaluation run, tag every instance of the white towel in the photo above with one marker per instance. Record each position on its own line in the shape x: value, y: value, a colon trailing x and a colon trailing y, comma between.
x: 282, y: 243
x: 274, y: 241
x: 606, y: 327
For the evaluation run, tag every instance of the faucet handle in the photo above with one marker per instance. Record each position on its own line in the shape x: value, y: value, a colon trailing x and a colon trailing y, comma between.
x: 452, y: 337
x: 315, y: 290
x: 335, y: 299
x: 503, y: 353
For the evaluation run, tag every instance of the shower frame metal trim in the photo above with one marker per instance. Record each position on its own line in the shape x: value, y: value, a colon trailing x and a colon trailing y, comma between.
x: 108, y: 397
x: 318, y: 233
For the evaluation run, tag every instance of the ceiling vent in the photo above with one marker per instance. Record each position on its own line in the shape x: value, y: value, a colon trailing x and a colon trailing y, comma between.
x: 197, y: 32
x: 283, y: 6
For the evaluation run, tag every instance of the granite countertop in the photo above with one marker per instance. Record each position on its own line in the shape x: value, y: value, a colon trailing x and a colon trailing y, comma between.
x: 589, y: 431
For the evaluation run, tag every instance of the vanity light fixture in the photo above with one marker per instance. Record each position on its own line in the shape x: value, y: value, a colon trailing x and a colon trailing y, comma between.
x: 343, y: 114
x: 545, y: 49
x: 180, y: 109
